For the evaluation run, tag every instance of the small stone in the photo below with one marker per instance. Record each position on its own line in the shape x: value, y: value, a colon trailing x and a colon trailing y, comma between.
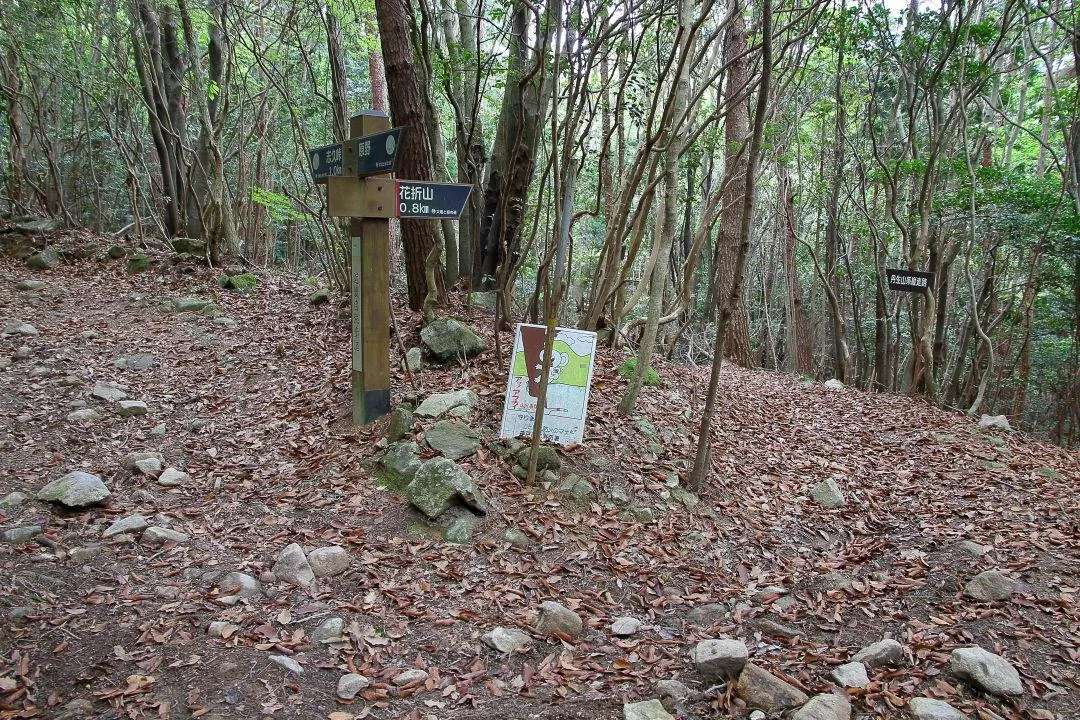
x: 288, y: 663
x: 402, y: 460
x: 991, y: 672
x: 20, y: 534
x: 460, y: 529
x: 577, y: 488
x: 400, y: 425
x: 994, y: 422
x: 159, y: 429
x: 292, y: 567
x: 438, y: 484
x: 150, y: 466
x: 625, y: 626
x: 719, y: 659
x: 507, y: 640
x: 156, y: 536
x: 129, y: 524
x: 646, y: 710
x: 850, y: 675
x: 350, y: 685
x: 77, y: 708
x: 990, y: 586
x: 833, y: 384
x: 13, y: 500
x: 84, y: 554
x: 707, y: 614
x: 328, y: 561
x: 135, y: 362
x: 413, y: 359
x: 517, y: 538
x: 30, y: 285
x: 18, y: 327
x: 771, y: 627
x: 319, y: 297
x: 241, y: 584
x: 761, y: 689
x: 447, y: 339
x: 171, y: 477
x: 757, y: 714
x: 620, y: 496
x: 132, y: 459
x: 84, y: 415
x: 108, y: 393
x: 24, y: 353
x: 453, y: 439
x: 555, y: 617
x: 410, y: 677
x: 439, y: 404
x: 673, y: 689
x: 547, y: 458
x: 643, y: 515
x: 828, y: 494
x: 330, y: 631
x: 828, y: 706
x: 76, y: 489
x: 883, y: 653
x: 973, y: 549
x: 218, y: 628
x: 929, y: 709
x: 131, y: 408
x: 191, y: 304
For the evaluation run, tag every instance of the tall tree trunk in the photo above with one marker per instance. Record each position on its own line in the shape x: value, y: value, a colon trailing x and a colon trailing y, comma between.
x: 17, y: 181
x: 841, y: 352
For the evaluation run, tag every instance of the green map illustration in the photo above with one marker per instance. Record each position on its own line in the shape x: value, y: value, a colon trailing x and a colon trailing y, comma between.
x: 568, y: 367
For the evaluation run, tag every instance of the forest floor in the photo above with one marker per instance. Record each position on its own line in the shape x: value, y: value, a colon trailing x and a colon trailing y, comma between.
x: 256, y: 412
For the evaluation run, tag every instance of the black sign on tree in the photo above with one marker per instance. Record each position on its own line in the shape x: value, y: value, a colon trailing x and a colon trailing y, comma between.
x: 909, y: 280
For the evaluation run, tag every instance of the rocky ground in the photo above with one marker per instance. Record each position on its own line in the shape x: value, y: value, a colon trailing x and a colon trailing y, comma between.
x: 192, y: 529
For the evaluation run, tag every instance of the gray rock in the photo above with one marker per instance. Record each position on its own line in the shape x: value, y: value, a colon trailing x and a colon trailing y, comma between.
x: 775, y: 629
x: 77, y: 708
x: 991, y: 672
x: 460, y: 529
x: 83, y: 415
x: 108, y: 392
x: 994, y: 422
x: 929, y: 709
x: 24, y: 353
x: 131, y: 408
x: 577, y: 488
x: 761, y: 689
x: 30, y: 285
x: 150, y: 466
x: 84, y: 554
x: 402, y: 460
x: 452, y: 438
x: 828, y: 494
x: 439, y: 404
x: 13, y: 500
x: 350, y: 685
x: 990, y: 586
x: 883, y: 653
x: 171, y: 477
x: 833, y: 384
x: 546, y: 458
x: 827, y: 706
x: 413, y: 359
x: 707, y: 614
x: 517, y: 538
x: 483, y: 300
x: 556, y: 617
x: 328, y: 561
x: 625, y: 626
x: 76, y: 489
x: 156, y: 536
x: 438, y: 484
x: 673, y: 689
x: 47, y: 259
x: 240, y: 584
x: 292, y: 567
x: 159, y: 429
x: 400, y: 425
x: 191, y: 304
x: 129, y: 524
x: 507, y: 640
x: 218, y: 628
x: 850, y: 675
x: 288, y: 663
x: 331, y: 630
x: 18, y: 327
x: 34, y: 226
x: 131, y: 460
x: 410, y: 677
x: 447, y: 339
x: 973, y: 549
x: 719, y: 659
x: 135, y: 362
x: 646, y: 710
x: 20, y: 534
x: 620, y: 496
x: 683, y: 496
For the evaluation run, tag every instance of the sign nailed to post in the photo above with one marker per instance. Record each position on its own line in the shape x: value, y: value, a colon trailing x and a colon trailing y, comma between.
x: 372, y: 154
x: 325, y: 161
x: 417, y: 199
x: 909, y: 280
x: 569, y: 382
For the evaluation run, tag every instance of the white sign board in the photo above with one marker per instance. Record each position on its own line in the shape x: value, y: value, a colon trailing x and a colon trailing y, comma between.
x: 568, y: 384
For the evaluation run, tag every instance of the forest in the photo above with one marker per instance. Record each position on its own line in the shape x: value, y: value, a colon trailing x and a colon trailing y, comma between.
x: 695, y: 181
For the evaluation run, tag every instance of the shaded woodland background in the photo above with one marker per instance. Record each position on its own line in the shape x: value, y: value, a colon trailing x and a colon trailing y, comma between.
x: 642, y: 168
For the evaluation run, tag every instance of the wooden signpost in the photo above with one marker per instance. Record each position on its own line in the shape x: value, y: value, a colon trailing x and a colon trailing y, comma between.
x: 360, y: 185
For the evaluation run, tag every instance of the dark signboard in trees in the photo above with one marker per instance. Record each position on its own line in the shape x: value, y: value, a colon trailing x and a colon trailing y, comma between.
x: 417, y: 199
x: 376, y: 153
x: 910, y: 280
x: 325, y: 161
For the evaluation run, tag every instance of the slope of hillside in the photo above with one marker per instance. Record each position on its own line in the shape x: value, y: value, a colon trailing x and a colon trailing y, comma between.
x: 249, y: 404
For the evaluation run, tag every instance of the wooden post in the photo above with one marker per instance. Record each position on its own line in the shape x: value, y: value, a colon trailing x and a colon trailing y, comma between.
x: 370, y: 243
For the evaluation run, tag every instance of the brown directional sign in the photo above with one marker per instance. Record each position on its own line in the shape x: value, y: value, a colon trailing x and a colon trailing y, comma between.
x: 386, y: 198
x: 909, y: 280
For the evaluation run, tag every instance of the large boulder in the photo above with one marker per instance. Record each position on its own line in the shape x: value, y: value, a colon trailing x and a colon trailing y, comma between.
x: 453, y: 438
x: 438, y: 484
x: 76, y: 489
x: 447, y: 339
x: 991, y: 672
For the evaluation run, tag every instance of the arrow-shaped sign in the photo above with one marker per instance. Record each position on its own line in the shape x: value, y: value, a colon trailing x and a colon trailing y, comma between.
x: 373, y: 154
x: 386, y: 198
